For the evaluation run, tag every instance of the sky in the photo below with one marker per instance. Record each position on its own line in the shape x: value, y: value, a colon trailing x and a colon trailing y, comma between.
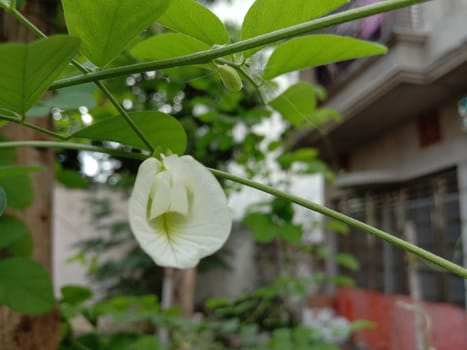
x: 233, y: 12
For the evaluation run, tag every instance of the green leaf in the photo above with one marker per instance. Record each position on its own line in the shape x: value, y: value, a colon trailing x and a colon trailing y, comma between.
x: 71, y: 97
x: 71, y: 179
x: 3, y: 200
x: 317, y: 50
x: 17, y: 170
x: 19, y: 190
x: 22, y: 246
x: 297, y: 103
x: 291, y: 233
x: 348, y: 261
x: 362, y: 324
x: 25, y: 286
x: 147, y: 342
x: 11, y: 230
x: 337, y: 226
x: 27, y: 70
x: 162, y: 130
x: 265, y: 16
x: 263, y: 229
x: 106, y: 27
x: 75, y: 294
x: 191, y: 18
x: 168, y: 45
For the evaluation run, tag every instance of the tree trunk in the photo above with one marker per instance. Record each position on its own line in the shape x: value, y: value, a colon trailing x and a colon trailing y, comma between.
x: 22, y: 332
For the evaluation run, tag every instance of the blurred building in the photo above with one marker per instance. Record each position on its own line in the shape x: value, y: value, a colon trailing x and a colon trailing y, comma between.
x: 401, y: 156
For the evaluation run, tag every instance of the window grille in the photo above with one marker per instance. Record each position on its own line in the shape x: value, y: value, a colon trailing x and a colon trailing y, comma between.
x: 431, y: 203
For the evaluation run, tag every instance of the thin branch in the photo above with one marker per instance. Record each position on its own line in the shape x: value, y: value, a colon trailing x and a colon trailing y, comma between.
x: 34, y: 127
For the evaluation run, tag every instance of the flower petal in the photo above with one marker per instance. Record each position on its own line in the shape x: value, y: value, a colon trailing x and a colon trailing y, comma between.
x: 197, y: 221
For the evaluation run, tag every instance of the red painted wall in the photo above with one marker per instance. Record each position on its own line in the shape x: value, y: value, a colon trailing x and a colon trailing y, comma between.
x: 394, y: 324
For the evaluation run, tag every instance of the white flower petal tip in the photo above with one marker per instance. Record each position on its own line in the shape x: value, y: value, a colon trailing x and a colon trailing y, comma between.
x: 178, y: 211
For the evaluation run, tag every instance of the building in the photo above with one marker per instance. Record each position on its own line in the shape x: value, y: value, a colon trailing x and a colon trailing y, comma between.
x: 401, y: 155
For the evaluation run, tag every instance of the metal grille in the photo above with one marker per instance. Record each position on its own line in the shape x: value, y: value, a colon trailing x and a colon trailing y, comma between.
x: 431, y: 203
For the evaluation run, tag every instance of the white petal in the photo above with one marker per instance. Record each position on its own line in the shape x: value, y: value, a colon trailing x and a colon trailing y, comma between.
x: 175, y: 239
x: 160, y: 195
x: 179, y: 198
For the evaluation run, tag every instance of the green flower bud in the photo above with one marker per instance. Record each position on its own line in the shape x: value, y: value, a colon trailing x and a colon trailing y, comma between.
x: 230, y: 78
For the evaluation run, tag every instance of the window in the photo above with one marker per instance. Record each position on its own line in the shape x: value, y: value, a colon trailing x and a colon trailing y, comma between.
x: 431, y: 203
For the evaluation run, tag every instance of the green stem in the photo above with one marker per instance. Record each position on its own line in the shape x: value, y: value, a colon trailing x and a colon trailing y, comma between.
x: 34, y: 127
x: 75, y: 146
x: 261, y: 40
x: 99, y: 84
x: 420, y: 252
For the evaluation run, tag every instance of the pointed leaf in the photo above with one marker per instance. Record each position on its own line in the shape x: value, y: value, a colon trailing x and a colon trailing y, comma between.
x: 106, y: 27
x: 11, y: 230
x: 25, y: 286
x: 168, y: 45
x: 265, y: 16
x: 297, y: 103
x: 27, y: 70
x: 162, y: 130
x: 317, y: 50
x: 190, y: 18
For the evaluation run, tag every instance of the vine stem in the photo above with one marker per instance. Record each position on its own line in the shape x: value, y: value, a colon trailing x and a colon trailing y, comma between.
x: 258, y: 41
x: 420, y: 252
x: 18, y: 15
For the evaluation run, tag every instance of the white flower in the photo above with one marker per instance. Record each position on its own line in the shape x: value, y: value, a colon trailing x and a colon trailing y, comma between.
x: 178, y: 211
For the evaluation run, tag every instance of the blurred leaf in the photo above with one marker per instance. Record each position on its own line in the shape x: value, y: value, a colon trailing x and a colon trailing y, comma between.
x: 193, y: 19
x: 291, y: 233
x: 342, y: 281
x: 75, y: 294
x: 302, y: 155
x: 3, y: 200
x: 17, y: 170
x: 168, y: 45
x: 265, y: 16
x: 162, y: 130
x: 324, y: 115
x: 71, y: 97
x: 317, y: 50
x: 106, y: 28
x: 71, y: 179
x: 25, y: 286
x: 19, y: 191
x: 148, y: 342
x: 348, y: 261
x: 297, y: 103
x: 22, y: 247
x: 263, y: 229
x: 11, y: 230
x: 27, y: 70
x: 213, y: 303
x: 323, y: 346
x: 362, y: 324
x: 337, y: 226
